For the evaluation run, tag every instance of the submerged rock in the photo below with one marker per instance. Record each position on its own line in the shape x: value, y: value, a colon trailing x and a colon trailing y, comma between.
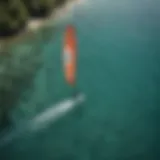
x: 18, y: 68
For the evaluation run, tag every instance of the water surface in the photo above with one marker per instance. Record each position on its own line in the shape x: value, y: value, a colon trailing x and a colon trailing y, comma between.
x: 118, y: 70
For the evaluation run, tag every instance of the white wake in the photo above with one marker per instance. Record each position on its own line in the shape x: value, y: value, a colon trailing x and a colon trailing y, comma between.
x: 42, y: 120
x: 55, y: 112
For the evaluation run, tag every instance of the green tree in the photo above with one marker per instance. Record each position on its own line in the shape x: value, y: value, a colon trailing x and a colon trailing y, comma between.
x: 39, y: 8
x: 13, y: 17
x: 42, y: 8
x: 60, y: 2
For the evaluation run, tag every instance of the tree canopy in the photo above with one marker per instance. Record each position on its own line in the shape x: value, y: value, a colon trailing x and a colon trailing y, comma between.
x: 14, y: 14
x: 13, y: 17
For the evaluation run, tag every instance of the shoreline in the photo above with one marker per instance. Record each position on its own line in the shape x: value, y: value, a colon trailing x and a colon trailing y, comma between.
x: 34, y: 25
x: 10, y: 74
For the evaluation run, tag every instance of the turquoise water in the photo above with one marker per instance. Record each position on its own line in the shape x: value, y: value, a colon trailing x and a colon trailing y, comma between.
x: 118, y: 71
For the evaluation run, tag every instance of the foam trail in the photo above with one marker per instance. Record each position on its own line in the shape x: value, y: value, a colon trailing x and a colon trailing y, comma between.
x: 55, y: 112
x: 50, y: 115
